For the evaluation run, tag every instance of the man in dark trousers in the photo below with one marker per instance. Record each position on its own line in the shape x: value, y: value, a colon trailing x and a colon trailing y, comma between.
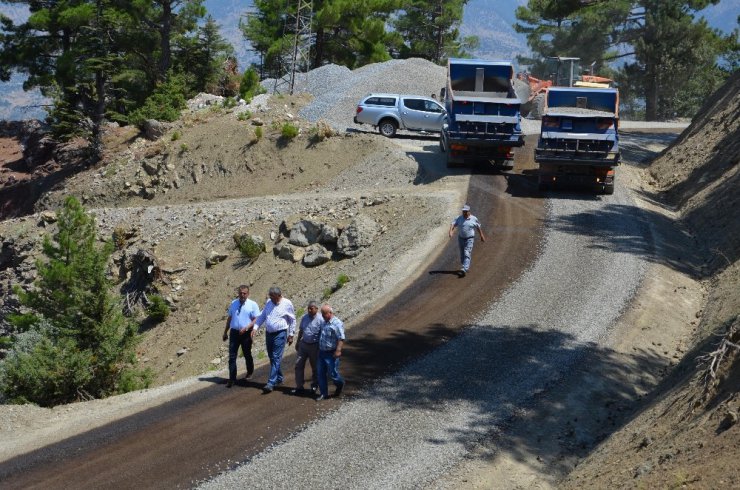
x: 241, y: 312
x: 466, y: 224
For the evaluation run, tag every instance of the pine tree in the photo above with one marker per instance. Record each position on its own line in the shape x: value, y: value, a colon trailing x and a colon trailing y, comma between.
x: 87, y: 346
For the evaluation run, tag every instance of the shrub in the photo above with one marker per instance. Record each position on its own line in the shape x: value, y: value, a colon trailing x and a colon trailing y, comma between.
x: 165, y: 103
x: 229, y: 103
x: 289, y: 131
x: 119, y: 237
x: 250, y: 84
x: 258, y: 132
x: 342, y: 279
x: 244, y: 116
x: 176, y: 136
x: 183, y: 148
x: 157, y: 309
x: 248, y: 247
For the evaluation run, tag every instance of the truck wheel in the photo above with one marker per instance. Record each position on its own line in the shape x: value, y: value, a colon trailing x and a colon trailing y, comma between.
x: 609, y: 189
x: 454, y: 162
x: 388, y: 128
x: 542, y: 186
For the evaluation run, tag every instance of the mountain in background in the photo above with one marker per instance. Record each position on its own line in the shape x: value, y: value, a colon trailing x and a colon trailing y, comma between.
x: 490, y: 20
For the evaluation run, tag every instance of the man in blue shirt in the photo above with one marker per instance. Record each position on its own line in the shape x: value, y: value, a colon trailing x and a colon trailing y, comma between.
x: 240, y: 313
x: 307, y: 347
x: 331, y: 342
x: 278, y: 316
x: 467, y: 224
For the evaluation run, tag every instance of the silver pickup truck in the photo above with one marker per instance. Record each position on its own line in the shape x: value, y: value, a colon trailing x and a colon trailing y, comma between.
x: 391, y: 112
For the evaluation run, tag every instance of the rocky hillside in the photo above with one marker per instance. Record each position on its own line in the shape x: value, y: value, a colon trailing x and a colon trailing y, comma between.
x: 686, y: 434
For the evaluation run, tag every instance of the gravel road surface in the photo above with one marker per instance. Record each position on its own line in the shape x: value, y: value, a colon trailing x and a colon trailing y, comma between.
x: 412, y: 427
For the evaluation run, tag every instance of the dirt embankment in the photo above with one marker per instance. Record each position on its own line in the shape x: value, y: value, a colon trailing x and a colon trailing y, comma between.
x: 686, y: 434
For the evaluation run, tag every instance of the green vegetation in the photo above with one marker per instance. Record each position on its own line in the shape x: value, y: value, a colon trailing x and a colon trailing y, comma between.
x: 119, y: 237
x: 244, y: 116
x: 157, y: 309
x: 74, y: 343
x: 184, y: 148
x: 229, y: 103
x: 248, y: 247
x: 250, y: 84
x: 258, y: 132
x: 165, y: 103
x: 176, y: 136
x: 289, y: 130
x: 342, y: 279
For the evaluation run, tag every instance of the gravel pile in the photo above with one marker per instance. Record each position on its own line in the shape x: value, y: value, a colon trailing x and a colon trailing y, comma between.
x: 337, y: 90
x: 412, y: 427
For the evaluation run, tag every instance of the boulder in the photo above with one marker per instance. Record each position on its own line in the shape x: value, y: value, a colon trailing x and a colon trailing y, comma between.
x: 215, y: 258
x: 287, y: 251
x: 153, y: 129
x: 305, y: 233
x: 358, y: 235
x: 329, y: 235
x: 316, y: 255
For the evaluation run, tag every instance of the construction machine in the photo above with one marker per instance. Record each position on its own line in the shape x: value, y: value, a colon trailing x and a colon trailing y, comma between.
x: 561, y: 71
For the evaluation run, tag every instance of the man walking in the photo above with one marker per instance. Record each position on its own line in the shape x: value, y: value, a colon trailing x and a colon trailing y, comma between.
x: 278, y: 316
x: 331, y: 342
x: 240, y: 314
x: 467, y: 224
x: 307, y: 347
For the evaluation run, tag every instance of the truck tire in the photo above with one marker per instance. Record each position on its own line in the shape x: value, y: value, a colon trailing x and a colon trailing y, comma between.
x: 542, y: 186
x: 454, y: 162
x: 538, y: 106
x: 388, y: 127
x: 609, y: 189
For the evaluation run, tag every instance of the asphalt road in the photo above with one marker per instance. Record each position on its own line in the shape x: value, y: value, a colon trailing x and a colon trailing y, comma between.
x: 198, y: 436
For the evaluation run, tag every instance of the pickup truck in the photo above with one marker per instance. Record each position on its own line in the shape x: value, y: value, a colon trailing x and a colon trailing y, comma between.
x: 579, y: 139
x: 483, y: 121
x: 391, y: 112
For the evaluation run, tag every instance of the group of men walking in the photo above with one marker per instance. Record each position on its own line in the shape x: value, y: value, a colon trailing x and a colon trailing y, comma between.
x: 320, y: 340
x: 320, y: 336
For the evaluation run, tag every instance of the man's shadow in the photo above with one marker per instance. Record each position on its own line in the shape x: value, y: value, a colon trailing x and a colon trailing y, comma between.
x: 456, y: 272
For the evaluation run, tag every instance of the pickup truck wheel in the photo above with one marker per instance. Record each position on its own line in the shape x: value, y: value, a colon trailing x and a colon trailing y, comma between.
x: 388, y: 128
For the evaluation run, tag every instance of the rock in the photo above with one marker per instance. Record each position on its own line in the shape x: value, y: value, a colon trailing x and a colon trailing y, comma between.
x: 305, y: 233
x: 215, y: 258
x: 216, y: 361
x: 148, y: 192
x: 358, y: 235
x: 48, y: 216
x: 150, y: 167
x: 257, y: 122
x: 153, y: 129
x: 286, y: 251
x: 329, y: 235
x: 182, y: 351
x: 316, y: 255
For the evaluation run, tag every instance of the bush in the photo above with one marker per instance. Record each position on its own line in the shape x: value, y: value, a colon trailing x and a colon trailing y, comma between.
x: 289, y: 131
x: 250, y: 84
x: 119, y: 237
x: 248, y: 247
x: 157, y: 309
x: 342, y: 279
x: 244, y: 116
x: 258, y: 132
x: 176, y: 136
x: 229, y: 103
x: 165, y: 103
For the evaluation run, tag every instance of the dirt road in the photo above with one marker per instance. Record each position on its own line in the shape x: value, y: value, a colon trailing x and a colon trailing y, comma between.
x: 198, y: 436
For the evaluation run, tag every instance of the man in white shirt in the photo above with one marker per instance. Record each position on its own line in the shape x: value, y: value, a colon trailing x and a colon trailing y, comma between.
x: 278, y: 317
x: 240, y: 313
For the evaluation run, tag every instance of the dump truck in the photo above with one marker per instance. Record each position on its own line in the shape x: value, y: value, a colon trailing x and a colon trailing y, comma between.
x: 483, y: 122
x: 579, y: 139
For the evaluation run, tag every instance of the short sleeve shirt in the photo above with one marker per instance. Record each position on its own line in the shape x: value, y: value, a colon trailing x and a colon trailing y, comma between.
x: 242, y: 314
x: 331, y: 332
x: 311, y: 328
x: 466, y: 227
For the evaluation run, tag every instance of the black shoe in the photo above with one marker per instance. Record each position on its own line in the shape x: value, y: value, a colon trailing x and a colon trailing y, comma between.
x: 321, y: 398
x: 267, y: 388
x: 338, y: 390
x: 297, y: 391
x: 461, y: 273
x: 229, y: 384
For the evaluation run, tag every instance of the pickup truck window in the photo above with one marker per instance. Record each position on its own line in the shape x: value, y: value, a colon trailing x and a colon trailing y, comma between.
x: 430, y: 106
x: 384, y: 101
x: 414, y: 104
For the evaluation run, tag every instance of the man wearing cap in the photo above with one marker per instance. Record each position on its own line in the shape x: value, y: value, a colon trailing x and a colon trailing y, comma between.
x: 467, y: 224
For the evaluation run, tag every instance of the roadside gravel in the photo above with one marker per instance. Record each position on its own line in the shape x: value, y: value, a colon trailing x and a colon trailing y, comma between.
x: 412, y: 427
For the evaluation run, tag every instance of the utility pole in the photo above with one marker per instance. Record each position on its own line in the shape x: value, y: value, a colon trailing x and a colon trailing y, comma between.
x: 298, y: 60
